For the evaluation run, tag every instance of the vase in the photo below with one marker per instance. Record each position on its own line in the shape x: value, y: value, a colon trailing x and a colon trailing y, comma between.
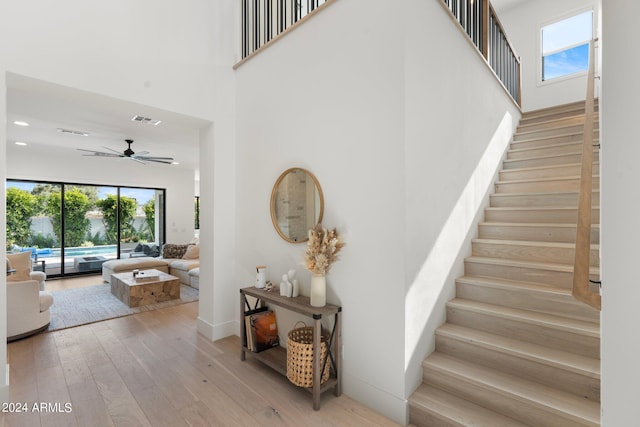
x: 318, y: 292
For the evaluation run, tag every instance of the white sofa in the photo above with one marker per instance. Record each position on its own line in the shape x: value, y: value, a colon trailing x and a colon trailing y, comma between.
x: 27, y: 303
x: 177, y: 260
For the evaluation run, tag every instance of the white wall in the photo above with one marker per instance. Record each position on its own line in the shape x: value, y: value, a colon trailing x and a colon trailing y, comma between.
x: 620, y: 206
x: 152, y: 52
x: 4, y: 374
x: 459, y: 121
x: 355, y: 96
x: 522, y: 25
x: 328, y: 98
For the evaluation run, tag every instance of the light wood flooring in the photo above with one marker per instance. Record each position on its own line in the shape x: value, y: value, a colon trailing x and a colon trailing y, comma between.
x: 153, y: 369
x: 73, y: 282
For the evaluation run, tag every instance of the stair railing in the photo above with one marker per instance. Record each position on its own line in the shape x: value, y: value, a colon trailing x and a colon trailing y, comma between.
x: 581, y: 284
x: 478, y: 19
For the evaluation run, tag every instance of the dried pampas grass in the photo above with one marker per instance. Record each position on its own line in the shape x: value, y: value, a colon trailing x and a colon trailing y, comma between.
x: 322, y: 249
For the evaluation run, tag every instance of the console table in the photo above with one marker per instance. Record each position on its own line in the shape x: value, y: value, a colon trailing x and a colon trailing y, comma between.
x: 276, y: 357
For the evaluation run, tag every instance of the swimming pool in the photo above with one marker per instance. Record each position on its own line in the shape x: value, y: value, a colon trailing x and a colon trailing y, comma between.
x: 73, y: 252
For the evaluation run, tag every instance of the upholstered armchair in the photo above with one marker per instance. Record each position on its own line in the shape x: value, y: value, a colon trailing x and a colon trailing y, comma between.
x: 27, y: 305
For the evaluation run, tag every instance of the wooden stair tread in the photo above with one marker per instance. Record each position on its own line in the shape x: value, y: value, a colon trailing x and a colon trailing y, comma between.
x: 453, y: 409
x: 518, y: 284
x: 551, y: 179
x: 546, y: 320
x: 549, y: 156
x: 532, y: 243
x: 536, y: 168
x: 525, y: 208
x: 578, y: 364
x: 533, y: 224
x: 534, y: 193
x: 562, y: 144
x: 551, y: 400
x: 528, y: 264
x: 559, y: 129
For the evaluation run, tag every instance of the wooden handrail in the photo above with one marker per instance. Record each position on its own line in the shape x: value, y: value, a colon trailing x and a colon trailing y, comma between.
x: 581, y: 264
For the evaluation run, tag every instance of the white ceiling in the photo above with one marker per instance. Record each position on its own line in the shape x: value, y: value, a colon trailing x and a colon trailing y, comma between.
x: 47, y: 107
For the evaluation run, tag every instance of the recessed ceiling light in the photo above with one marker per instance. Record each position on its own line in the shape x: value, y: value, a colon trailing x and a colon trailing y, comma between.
x: 20, y: 123
x: 22, y: 144
x: 146, y: 120
x: 73, y: 132
x: 175, y: 163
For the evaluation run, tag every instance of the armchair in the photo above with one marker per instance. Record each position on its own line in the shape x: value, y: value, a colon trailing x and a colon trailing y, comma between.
x: 27, y: 302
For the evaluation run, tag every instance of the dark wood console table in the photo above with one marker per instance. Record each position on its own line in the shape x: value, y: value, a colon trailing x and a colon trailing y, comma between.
x: 276, y: 357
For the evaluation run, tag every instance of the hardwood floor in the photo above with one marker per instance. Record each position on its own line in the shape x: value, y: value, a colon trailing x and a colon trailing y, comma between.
x: 73, y: 282
x: 153, y: 369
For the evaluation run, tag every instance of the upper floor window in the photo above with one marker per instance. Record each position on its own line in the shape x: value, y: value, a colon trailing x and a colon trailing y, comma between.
x: 565, y: 46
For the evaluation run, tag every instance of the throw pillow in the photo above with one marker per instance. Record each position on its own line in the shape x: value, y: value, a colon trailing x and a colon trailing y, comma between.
x: 21, y: 262
x: 173, y: 251
x: 193, y: 252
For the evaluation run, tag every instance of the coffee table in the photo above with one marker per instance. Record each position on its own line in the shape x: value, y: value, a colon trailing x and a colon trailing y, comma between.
x: 134, y: 293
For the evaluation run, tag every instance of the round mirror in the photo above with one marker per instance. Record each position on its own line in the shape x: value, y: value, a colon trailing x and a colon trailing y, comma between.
x: 297, y: 204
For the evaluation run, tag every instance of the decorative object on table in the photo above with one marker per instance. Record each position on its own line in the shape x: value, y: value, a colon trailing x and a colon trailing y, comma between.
x: 285, y: 287
x: 295, y: 288
x: 322, y: 251
x: 261, y: 276
x: 264, y: 331
x: 300, y: 355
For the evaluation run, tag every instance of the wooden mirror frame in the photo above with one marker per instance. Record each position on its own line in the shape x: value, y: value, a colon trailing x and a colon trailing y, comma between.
x: 274, y: 192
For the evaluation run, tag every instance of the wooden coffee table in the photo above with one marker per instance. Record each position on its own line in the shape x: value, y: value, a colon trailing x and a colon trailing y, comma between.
x: 135, y: 293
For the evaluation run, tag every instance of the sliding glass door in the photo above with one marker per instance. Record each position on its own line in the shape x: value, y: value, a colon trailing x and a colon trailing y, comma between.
x: 74, y: 228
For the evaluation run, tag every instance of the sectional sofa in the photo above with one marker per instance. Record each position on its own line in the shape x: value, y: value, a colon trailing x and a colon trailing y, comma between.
x: 182, y: 261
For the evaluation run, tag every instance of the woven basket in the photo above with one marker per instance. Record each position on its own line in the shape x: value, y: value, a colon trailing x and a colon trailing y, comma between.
x: 300, y: 356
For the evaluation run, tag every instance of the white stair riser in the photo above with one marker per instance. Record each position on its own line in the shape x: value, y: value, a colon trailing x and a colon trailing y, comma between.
x: 552, y: 150
x: 545, y: 335
x: 542, y: 302
x: 534, y: 253
x: 576, y: 109
x: 566, y: 234
x: 537, y: 173
x: 548, y: 141
x: 538, y: 215
x: 554, y: 132
x: 422, y: 417
x: 558, y: 200
x: 545, y: 186
x: 531, y: 370
x: 548, y: 161
x: 506, y: 404
x: 546, y: 277
x: 552, y: 123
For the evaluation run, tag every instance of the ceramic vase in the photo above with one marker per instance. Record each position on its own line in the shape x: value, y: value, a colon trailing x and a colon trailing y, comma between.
x: 318, y: 292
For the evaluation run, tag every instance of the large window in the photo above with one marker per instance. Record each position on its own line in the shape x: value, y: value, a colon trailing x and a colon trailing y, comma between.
x: 565, y: 46
x: 74, y: 228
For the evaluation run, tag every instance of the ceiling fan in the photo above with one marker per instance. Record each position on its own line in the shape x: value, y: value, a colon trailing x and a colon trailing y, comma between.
x: 140, y: 157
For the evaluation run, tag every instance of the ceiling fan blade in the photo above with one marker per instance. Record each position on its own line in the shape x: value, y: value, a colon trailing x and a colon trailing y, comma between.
x: 141, y: 153
x: 115, y: 151
x: 158, y: 161
x: 135, y: 159
x: 99, y: 153
x: 153, y: 158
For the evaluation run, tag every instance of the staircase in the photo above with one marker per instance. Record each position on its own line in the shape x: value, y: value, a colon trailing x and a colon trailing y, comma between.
x: 517, y: 349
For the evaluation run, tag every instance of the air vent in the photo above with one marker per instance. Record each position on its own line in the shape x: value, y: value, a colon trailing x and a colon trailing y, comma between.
x: 147, y: 120
x: 73, y: 132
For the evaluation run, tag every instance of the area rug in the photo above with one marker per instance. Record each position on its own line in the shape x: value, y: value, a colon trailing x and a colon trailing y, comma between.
x: 79, y: 306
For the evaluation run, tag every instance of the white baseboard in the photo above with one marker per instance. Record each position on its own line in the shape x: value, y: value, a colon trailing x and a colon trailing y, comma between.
x: 392, y: 407
x: 205, y: 328
x: 4, y: 388
x: 218, y: 331
x: 223, y: 330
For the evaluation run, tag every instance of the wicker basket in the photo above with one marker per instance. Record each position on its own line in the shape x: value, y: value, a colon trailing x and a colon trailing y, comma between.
x: 300, y: 356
